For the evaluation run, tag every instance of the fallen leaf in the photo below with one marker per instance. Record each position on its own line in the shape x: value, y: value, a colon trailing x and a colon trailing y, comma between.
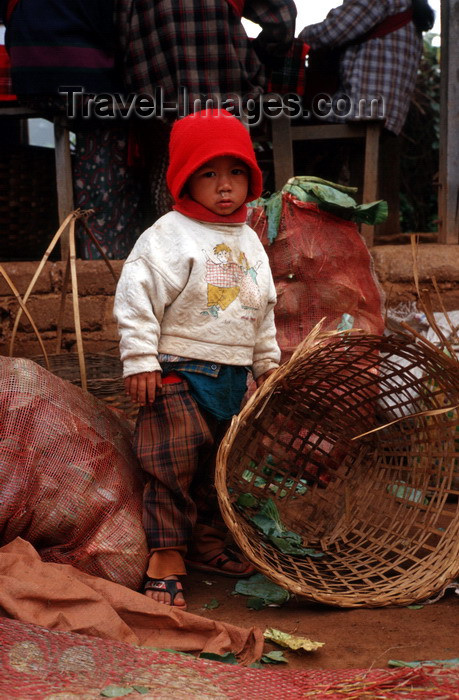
x: 274, y: 657
x: 212, y: 604
x: 291, y: 641
x: 227, y: 658
x: 415, y: 664
x: 115, y: 691
x: 258, y: 586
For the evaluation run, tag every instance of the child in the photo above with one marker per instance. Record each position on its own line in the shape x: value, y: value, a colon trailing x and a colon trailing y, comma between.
x: 187, y: 340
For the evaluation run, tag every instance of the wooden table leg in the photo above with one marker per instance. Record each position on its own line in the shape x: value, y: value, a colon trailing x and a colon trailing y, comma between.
x: 282, y: 151
x: 370, y: 175
x: 64, y: 180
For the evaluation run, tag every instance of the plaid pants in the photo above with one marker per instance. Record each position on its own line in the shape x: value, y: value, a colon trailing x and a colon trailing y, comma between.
x: 176, y: 443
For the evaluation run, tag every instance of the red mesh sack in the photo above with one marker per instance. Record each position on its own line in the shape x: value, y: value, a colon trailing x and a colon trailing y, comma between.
x: 69, y: 480
x: 322, y: 269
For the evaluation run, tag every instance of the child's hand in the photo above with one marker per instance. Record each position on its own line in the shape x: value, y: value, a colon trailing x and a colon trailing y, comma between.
x: 264, y: 377
x: 144, y: 387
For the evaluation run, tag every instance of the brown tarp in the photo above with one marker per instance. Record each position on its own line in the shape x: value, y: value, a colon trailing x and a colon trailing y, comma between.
x: 60, y: 597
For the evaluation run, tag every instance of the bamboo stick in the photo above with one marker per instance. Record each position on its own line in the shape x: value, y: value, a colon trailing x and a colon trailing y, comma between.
x: 99, y: 247
x: 40, y: 267
x: 76, y: 308
x: 60, y: 319
x: 26, y: 311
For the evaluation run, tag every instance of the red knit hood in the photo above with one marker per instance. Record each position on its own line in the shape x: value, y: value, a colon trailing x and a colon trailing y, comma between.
x: 194, y: 141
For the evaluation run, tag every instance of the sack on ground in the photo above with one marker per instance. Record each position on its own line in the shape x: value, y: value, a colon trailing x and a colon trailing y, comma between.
x: 69, y: 480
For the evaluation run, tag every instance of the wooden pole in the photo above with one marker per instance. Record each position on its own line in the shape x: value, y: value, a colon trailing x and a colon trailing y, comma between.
x: 448, y: 200
x: 64, y: 179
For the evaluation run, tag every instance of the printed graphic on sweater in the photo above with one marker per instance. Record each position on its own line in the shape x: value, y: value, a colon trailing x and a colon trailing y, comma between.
x: 227, y: 280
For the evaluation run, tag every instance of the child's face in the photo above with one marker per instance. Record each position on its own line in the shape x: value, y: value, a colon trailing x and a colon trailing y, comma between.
x: 220, y: 185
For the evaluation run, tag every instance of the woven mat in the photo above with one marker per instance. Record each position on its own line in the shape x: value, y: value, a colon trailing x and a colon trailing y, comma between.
x: 38, y: 663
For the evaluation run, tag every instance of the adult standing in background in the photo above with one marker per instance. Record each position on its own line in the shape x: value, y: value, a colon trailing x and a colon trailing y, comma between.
x: 201, y: 46
x: 183, y: 51
x: 377, y: 47
x: 136, y: 46
x: 54, y: 44
x: 380, y: 48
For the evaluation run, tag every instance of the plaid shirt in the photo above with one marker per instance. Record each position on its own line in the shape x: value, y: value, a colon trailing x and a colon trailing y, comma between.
x: 200, y: 45
x: 384, y: 68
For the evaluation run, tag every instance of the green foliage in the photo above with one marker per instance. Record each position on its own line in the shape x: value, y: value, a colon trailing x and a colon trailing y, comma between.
x: 227, y: 658
x: 262, y: 592
x: 268, y: 521
x: 274, y: 657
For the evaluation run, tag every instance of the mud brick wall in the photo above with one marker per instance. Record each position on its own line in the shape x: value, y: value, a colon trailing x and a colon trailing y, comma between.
x: 394, y: 269
x: 96, y: 288
x: 393, y: 266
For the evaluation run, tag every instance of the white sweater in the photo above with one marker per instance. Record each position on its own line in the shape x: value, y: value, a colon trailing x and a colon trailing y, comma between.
x: 197, y: 290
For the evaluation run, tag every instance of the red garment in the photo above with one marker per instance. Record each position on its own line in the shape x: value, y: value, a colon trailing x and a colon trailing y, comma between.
x: 172, y: 378
x: 194, y: 210
x: 5, y: 65
x: 389, y: 25
x: 5, y: 76
x: 10, y: 8
x: 237, y: 5
x: 197, y: 139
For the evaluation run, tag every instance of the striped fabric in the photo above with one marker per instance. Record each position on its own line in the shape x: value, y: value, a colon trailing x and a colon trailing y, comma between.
x: 54, y: 43
x: 382, y: 67
x: 5, y: 76
x: 176, y: 445
x: 288, y: 73
x: 185, y: 364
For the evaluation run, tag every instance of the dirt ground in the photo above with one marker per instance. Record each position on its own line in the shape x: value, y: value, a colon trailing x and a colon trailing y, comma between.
x: 353, y: 638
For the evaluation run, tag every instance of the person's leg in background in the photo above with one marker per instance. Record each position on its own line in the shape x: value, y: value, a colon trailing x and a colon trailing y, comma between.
x: 104, y: 180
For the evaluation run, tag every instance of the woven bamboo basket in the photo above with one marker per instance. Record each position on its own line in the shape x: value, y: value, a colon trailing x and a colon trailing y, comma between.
x: 103, y: 377
x: 354, y: 441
